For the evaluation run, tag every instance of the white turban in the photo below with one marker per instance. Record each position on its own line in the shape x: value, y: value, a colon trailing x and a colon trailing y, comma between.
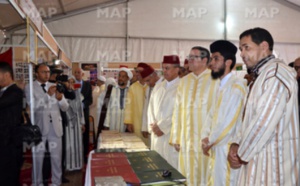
x: 129, y: 73
x: 71, y: 77
x: 101, y: 78
x: 110, y: 81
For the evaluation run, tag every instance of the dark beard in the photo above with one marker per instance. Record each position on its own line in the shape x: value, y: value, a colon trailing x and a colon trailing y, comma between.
x: 249, y: 70
x: 216, y: 75
x: 121, y: 83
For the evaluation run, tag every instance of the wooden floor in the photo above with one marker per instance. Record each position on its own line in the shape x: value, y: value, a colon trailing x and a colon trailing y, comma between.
x: 75, y: 178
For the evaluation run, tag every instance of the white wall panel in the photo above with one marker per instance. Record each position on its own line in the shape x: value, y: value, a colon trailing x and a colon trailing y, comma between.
x: 287, y: 52
x: 135, y: 52
x: 154, y: 49
x: 93, y: 49
x: 84, y: 49
x: 147, y: 50
x: 111, y: 50
x: 65, y: 44
x: 176, y: 19
x: 281, y: 21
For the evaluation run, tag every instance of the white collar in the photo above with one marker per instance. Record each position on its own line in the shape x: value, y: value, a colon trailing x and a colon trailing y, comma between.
x: 224, y: 80
x: 144, y: 85
x: 78, y: 81
x: 170, y: 83
x: 118, y: 87
x: 41, y: 83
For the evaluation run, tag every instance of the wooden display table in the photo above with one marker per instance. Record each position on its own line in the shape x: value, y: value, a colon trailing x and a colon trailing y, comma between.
x: 125, y: 155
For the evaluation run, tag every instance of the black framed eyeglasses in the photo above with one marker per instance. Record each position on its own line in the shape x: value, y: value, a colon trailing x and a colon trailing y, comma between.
x: 192, y: 57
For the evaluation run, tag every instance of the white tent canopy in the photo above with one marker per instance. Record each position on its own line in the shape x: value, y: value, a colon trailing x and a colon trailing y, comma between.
x: 143, y: 30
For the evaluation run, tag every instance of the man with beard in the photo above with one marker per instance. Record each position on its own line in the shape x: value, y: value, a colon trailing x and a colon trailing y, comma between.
x: 266, y: 148
x: 115, y: 110
x: 225, y: 115
x: 135, y: 103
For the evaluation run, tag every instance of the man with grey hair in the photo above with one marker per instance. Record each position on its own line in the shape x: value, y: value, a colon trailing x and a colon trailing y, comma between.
x: 86, y: 92
x: 97, y: 89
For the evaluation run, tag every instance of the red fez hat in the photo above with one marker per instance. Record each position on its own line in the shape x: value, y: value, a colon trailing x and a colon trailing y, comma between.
x: 143, y: 65
x: 147, y: 71
x: 172, y: 59
x: 123, y: 66
x: 186, y: 61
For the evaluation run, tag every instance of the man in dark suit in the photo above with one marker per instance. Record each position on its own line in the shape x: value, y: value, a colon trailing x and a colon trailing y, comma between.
x: 86, y: 91
x: 11, y: 97
x: 47, y: 105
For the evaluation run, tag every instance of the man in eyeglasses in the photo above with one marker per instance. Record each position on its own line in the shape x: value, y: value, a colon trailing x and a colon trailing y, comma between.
x: 193, y: 101
x: 226, y: 113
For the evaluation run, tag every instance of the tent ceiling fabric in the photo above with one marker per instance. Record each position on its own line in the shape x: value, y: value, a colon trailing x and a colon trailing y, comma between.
x: 58, y: 7
x: 9, y: 16
x: 296, y: 2
x: 128, y: 30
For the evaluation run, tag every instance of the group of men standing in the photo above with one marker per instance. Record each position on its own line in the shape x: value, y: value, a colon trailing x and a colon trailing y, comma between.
x: 212, y: 127
x: 209, y: 124
x: 228, y: 134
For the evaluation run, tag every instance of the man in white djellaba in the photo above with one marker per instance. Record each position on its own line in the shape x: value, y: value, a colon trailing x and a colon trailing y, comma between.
x: 266, y: 148
x: 225, y: 115
x: 160, y: 110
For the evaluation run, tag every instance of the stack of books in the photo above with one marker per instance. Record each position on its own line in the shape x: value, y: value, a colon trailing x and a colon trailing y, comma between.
x: 114, y: 140
x: 126, y: 155
x: 110, y: 181
x: 151, y: 169
x: 112, y: 164
x: 135, y: 168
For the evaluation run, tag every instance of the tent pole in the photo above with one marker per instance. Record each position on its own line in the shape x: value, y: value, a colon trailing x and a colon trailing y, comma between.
x: 225, y: 19
x: 127, y: 37
x: 32, y: 105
